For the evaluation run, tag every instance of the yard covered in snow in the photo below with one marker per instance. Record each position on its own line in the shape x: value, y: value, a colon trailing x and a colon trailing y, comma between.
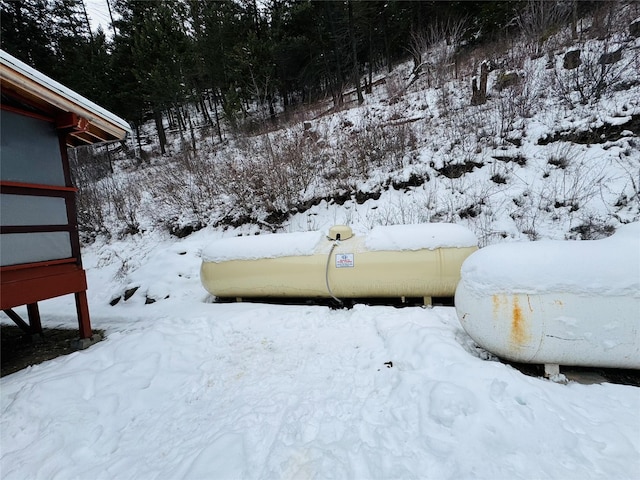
x: 186, y: 388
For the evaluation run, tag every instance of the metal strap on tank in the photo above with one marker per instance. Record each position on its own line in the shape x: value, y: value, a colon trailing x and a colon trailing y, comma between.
x: 326, y: 273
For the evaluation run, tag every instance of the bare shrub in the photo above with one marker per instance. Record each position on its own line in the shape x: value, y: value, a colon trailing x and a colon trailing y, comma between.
x: 575, y: 181
x: 90, y: 204
x: 631, y: 167
x: 89, y: 164
x: 507, y: 111
x: 395, y: 88
x: 540, y: 19
x: 376, y: 146
x: 434, y: 50
x: 603, y: 63
x: 187, y: 187
x: 525, y: 211
x: 465, y: 131
x: 593, y: 78
x: 289, y: 167
x: 271, y: 175
x: 591, y: 227
x: 123, y: 199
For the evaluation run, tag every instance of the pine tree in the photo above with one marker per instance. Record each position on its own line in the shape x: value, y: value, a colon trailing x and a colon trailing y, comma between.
x: 25, y: 33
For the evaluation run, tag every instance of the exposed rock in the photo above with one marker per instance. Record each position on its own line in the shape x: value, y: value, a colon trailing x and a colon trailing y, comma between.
x: 608, y: 58
x: 634, y: 29
x: 571, y: 60
x: 499, y: 179
x: 605, y: 133
x: 362, y: 197
x: 182, y: 231
x: 456, y: 170
x: 276, y: 217
x: 414, y: 180
x: 507, y: 79
x: 129, y: 293
x: 519, y: 159
x: 472, y: 211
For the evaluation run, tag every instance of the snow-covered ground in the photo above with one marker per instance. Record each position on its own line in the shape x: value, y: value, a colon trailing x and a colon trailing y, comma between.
x: 184, y: 388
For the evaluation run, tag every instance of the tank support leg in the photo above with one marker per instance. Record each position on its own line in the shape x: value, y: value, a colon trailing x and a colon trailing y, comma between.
x: 427, y: 301
x: 239, y: 299
x: 551, y: 370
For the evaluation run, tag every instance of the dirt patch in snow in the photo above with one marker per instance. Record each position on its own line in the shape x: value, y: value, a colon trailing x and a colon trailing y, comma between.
x: 20, y: 350
x: 602, y: 134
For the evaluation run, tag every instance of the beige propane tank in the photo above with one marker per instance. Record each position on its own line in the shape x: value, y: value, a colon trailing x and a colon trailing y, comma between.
x: 421, y: 260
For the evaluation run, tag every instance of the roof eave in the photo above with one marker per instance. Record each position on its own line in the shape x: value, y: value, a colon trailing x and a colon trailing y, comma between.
x: 20, y: 76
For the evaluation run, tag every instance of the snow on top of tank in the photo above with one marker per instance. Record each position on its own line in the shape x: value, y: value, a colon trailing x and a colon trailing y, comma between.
x: 610, y: 266
x: 420, y: 236
x: 262, y: 246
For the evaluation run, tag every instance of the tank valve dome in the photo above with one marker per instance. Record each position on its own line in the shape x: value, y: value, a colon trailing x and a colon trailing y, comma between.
x: 340, y: 232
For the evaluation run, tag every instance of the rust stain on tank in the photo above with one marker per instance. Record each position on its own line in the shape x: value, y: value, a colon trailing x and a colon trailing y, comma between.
x: 519, y: 329
x: 496, y: 305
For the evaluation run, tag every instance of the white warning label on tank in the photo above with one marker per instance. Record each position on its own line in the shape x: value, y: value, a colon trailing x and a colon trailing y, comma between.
x: 344, y: 260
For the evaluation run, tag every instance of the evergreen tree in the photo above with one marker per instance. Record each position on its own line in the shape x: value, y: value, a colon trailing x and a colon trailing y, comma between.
x: 26, y: 33
x: 148, y: 58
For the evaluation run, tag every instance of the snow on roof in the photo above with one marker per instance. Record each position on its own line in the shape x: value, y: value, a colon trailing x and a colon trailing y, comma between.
x: 418, y: 236
x: 59, y: 89
x: 610, y: 266
x: 262, y: 246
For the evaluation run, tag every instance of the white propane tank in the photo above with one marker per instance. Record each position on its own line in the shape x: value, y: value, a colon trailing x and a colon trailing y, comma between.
x: 556, y: 302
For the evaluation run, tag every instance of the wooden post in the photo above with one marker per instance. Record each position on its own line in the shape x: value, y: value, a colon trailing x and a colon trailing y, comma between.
x: 82, y: 308
x: 34, y: 318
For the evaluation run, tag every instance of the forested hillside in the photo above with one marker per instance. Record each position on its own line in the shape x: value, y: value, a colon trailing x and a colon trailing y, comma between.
x: 160, y: 56
x: 519, y: 118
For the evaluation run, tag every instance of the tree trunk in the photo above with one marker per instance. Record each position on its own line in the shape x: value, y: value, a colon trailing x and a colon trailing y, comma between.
x: 193, y: 137
x: 157, y: 116
x: 387, y: 51
x: 354, y: 53
x: 370, y: 62
x: 215, y: 110
x: 205, y: 111
x: 115, y: 33
x: 484, y: 74
x: 574, y: 19
x: 86, y: 17
x: 106, y: 147
x: 138, y: 139
x: 339, y: 84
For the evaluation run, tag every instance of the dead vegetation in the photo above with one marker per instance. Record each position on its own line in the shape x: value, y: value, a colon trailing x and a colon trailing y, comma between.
x: 265, y: 172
